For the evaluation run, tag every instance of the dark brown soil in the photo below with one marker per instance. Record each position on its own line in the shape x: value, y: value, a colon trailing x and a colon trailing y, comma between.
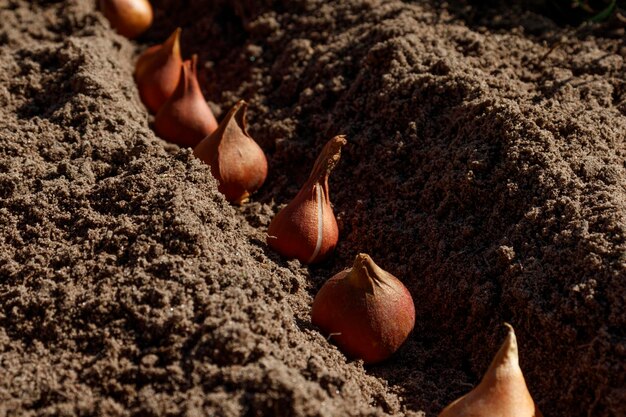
x: 484, y: 170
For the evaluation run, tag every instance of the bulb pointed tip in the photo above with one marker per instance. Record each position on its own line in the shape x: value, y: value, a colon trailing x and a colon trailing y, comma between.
x: 362, y: 257
x: 508, y: 354
x: 361, y: 261
x: 174, y: 38
x: 241, y: 105
x: 328, y: 158
x: 367, y: 274
x: 340, y: 140
x: 333, y: 147
x: 237, y: 113
x: 173, y: 42
x: 364, y: 261
x: 511, y: 338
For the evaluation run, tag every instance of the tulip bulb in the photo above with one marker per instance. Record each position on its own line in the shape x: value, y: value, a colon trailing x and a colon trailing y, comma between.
x: 157, y: 72
x: 185, y: 118
x: 236, y: 161
x: 306, y: 228
x: 368, y: 312
x: 130, y: 18
x: 502, y: 391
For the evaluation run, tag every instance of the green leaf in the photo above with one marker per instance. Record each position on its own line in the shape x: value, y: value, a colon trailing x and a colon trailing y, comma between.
x: 604, y: 14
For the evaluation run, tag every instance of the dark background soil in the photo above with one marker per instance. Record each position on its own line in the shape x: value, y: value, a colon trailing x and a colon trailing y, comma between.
x: 483, y: 169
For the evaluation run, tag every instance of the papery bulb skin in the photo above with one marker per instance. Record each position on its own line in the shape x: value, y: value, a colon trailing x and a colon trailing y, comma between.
x: 185, y: 118
x: 306, y: 228
x: 130, y: 18
x: 367, y: 312
x: 502, y: 391
x: 157, y: 72
x: 236, y: 160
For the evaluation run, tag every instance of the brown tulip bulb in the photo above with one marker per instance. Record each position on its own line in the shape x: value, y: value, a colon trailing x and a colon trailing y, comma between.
x: 367, y: 312
x: 185, y: 118
x: 236, y: 161
x: 130, y: 18
x: 157, y: 72
x: 306, y: 228
x: 502, y: 391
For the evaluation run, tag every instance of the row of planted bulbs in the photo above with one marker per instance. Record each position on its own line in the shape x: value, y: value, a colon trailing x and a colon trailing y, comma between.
x: 366, y: 311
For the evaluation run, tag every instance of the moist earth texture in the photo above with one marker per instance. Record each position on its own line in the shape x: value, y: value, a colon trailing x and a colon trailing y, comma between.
x: 485, y: 168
